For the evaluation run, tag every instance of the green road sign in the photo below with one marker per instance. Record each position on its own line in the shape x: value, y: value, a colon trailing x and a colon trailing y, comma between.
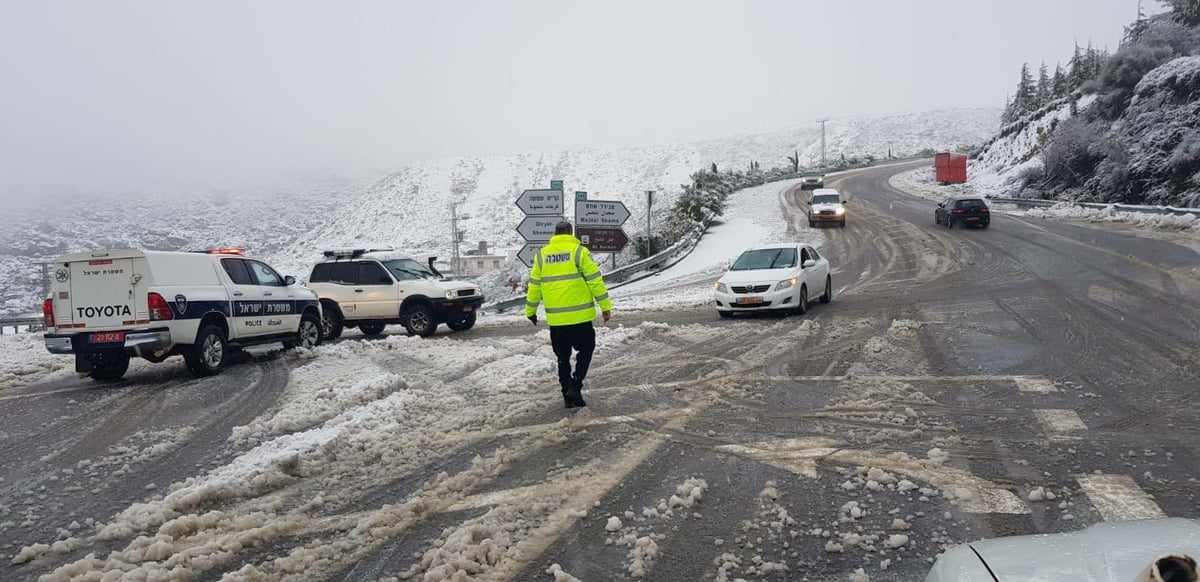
x: 580, y: 196
x: 556, y: 184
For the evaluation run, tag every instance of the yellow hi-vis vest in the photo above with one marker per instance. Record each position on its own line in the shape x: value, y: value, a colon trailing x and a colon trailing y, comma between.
x: 565, y: 277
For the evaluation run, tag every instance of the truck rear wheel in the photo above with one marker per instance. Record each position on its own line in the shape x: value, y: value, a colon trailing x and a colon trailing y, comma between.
x: 467, y: 321
x: 110, y: 367
x: 207, y: 356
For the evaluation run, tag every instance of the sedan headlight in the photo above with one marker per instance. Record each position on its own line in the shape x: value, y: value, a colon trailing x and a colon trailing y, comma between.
x: 840, y: 211
x: 720, y: 287
x: 787, y: 284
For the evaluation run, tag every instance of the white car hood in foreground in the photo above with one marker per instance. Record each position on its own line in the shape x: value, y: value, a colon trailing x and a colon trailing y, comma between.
x: 759, y: 276
x: 1107, y: 552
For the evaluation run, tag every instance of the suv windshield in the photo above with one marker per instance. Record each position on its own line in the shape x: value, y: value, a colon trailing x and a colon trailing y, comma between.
x: 765, y: 259
x: 408, y: 270
x: 826, y: 199
x: 812, y: 174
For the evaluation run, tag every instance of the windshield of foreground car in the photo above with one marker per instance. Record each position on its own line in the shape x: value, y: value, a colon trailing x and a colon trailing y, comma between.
x: 408, y: 270
x: 826, y: 199
x: 765, y: 259
x: 811, y: 174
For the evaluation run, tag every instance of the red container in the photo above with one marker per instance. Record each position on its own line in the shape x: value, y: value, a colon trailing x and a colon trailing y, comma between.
x: 951, y: 168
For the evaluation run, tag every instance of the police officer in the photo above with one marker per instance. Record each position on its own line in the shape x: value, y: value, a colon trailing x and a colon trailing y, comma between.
x: 569, y: 282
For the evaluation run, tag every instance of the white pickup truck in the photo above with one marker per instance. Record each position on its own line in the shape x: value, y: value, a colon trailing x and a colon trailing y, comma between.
x: 109, y: 305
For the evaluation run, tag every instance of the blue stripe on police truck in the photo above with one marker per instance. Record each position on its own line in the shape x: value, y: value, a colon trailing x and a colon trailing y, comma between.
x: 198, y: 309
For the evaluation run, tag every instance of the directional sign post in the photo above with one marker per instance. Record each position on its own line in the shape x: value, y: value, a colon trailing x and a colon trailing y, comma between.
x: 541, y: 202
x: 527, y: 253
x: 602, y: 240
x: 537, y: 228
x: 600, y: 213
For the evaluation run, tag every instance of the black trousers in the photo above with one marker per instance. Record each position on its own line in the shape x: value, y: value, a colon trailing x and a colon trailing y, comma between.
x: 580, y: 337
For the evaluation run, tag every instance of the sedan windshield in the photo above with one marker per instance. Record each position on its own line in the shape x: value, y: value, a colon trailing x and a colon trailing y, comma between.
x: 408, y: 270
x: 826, y: 199
x: 765, y: 259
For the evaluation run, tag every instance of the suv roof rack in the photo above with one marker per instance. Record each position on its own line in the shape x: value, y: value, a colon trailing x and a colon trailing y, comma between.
x: 354, y: 253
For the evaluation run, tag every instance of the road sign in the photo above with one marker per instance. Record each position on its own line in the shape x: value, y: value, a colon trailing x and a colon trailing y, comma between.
x: 600, y: 213
x: 603, y: 240
x: 527, y: 253
x: 556, y: 184
x: 541, y: 202
x: 580, y: 196
x: 537, y: 228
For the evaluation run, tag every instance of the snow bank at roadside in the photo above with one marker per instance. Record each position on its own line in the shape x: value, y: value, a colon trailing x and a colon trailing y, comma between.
x: 754, y: 217
x: 24, y: 360
x: 1068, y: 211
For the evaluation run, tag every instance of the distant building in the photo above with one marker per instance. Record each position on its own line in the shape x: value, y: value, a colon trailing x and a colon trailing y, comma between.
x: 479, y: 261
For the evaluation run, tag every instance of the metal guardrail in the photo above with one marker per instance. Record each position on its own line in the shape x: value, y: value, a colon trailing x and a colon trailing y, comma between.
x: 31, y: 324
x: 1038, y: 203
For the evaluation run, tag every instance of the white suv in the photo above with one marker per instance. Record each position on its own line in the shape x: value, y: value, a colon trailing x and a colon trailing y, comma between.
x: 106, y: 306
x: 371, y: 288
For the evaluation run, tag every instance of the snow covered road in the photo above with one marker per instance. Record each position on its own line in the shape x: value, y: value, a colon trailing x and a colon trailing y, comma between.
x: 1034, y: 377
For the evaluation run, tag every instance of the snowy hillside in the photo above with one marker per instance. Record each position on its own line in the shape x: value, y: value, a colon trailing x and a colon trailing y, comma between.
x: 1001, y: 168
x: 411, y: 207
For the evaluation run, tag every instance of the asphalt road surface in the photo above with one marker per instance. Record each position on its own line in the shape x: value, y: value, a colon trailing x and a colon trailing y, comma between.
x: 958, y: 376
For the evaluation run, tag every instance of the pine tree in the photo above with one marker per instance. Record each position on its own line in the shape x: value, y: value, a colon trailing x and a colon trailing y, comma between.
x: 1044, y: 91
x: 1185, y: 12
x: 1060, y: 82
x: 1134, y: 31
x: 1076, y: 77
x: 1025, y: 99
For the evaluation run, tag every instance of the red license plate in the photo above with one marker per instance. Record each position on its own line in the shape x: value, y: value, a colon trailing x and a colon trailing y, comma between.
x: 107, y: 337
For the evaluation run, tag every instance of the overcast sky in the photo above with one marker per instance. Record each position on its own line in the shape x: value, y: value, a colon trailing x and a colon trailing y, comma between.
x: 125, y: 96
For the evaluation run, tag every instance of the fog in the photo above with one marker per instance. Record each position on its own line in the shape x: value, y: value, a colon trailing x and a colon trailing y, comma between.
x: 113, y: 97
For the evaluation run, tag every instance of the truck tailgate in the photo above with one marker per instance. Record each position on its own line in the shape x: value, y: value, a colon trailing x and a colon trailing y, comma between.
x: 102, y: 293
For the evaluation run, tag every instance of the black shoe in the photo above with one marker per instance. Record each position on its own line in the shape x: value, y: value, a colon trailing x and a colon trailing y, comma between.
x: 569, y: 404
x: 574, y: 395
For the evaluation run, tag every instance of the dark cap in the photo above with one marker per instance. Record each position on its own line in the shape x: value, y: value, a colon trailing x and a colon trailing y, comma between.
x: 564, y: 227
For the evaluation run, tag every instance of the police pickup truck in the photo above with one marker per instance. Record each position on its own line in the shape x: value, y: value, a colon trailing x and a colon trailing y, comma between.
x: 109, y: 305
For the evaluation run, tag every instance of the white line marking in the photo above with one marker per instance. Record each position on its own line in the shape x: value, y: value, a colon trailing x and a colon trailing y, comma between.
x: 1118, y: 498
x: 1034, y: 384
x: 1060, y: 421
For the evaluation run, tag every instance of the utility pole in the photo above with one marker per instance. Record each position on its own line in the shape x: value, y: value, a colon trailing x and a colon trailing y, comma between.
x: 822, y: 122
x: 649, y: 204
x: 455, y: 238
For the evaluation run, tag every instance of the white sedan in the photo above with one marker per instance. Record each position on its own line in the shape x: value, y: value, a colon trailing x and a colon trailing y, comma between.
x: 780, y: 277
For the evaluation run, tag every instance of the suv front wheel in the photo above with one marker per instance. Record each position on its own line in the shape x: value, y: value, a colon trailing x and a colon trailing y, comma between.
x: 463, y: 323
x: 420, y: 320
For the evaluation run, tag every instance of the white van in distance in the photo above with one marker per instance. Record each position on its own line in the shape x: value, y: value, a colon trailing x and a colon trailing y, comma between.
x: 109, y: 305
